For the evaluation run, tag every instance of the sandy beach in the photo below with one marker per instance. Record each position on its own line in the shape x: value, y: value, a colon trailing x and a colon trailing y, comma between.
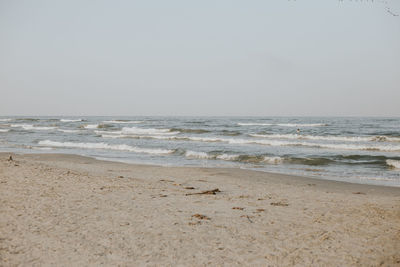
x: 65, y: 210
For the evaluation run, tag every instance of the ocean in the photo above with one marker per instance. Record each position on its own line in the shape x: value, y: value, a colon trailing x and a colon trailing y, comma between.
x: 352, y: 149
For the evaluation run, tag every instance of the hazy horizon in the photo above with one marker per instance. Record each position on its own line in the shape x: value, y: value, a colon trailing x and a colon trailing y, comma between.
x: 186, y: 58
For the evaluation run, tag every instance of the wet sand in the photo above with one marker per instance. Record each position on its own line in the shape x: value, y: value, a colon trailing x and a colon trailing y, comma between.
x: 68, y: 210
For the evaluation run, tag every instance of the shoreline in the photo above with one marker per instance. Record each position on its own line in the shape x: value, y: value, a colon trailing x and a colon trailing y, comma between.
x: 259, y: 173
x: 63, y: 209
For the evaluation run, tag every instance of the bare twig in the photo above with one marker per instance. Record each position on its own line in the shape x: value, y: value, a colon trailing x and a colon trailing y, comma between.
x: 208, y: 192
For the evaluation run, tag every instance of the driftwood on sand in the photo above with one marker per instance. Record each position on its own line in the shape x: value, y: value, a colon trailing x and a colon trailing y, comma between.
x: 207, y: 192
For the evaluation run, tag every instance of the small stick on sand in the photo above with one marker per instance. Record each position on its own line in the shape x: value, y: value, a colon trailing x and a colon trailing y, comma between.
x: 248, y: 218
x: 208, y: 192
x: 189, y: 187
x: 282, y: 204
x: 165, y: 180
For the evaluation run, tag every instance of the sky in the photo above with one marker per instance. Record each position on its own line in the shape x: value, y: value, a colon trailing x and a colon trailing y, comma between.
x: 200, y: 58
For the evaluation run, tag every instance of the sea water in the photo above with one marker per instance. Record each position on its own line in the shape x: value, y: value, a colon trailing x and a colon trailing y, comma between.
x: 361, y: 150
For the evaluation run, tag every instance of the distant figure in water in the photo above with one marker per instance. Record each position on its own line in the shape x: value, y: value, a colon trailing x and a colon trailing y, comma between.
x: 298, y: 131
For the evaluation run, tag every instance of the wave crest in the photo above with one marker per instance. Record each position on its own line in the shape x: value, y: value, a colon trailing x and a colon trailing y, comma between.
x: 234, y: 157
x: 121, y: 147
x: 393, y: 163
x: 198, y: 155
x: 147, y: 131
x: 329, y: 137
x: 31, y: 127
x: 236, y: 141
x: 68, y: 131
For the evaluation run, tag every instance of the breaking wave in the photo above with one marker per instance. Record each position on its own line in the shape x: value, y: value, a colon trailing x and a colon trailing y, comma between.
x: 393, y: 163
x: 148, y: 131
x: 260, y: 159
x: 134, y: 132
x: 330, y: 138
x: 96, y: 126
x: 31, y: 127
x: 71, y: 120
x: 5, y: 119
x: 228, y: 157
x: 233, y: 157
x: 387, y: 148
x: 159, y: 137
x: 4, y: 130
x: 68, y: 131
x: 121, y: 147
x: 198, y: 155
x: 91, y: 126
x: 273, y: 160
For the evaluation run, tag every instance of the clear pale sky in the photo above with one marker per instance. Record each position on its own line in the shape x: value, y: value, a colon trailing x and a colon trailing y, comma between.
x: 266, y: 58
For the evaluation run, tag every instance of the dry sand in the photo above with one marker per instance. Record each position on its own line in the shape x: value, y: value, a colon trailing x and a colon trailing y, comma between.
x: 69, y: 210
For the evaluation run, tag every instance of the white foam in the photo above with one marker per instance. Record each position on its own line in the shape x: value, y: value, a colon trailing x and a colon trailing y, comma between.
x: 273, y: 160
x: 269, y: 142
x: 4, y: 130
x: 393, y: 163
x: 299, y: 125
x: 121, y: 147
x: 329, y: 137
x: 386, y: 139
x: 68, y: 131
x: 204, y: 155
x: 5, y: 119
x: 108, y: 132
x: 159, y: 137
x: 91, y: 126
x: 71, y: 120
x: 149, y: 131
x: 208, y: 139
x: 123, y: 122
x: 31, y: 127
x: 198, y: 155
x: 388, y: 148
x: 228, y: 157
x: 113, y: 136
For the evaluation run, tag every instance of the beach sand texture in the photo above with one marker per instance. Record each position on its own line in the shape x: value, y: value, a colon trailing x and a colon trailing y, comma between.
x: 66, y: 210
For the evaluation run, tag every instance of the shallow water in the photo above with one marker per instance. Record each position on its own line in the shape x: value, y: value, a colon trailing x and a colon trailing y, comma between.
x: 362, y: 150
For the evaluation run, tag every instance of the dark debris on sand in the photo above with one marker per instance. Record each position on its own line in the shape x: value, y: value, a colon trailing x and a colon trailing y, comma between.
x: 207, y: 192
